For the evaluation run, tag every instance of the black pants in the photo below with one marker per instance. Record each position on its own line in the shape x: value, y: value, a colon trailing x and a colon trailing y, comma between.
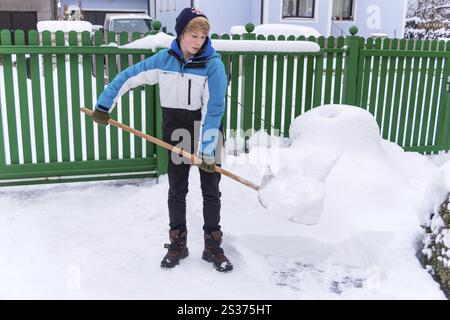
x: 181, y: 128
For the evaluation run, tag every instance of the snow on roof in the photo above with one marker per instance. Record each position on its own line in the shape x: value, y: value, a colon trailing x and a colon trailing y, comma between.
x: 279, y: 29
x: 153, y: 42
x: 265, y: 46
x: 238, y: 30
x: 163, y: 40
x: 65, y: 26
x: 379, y: 35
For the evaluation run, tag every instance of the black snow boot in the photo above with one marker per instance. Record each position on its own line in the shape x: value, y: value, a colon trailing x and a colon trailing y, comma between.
x: 177, y: 249
x: 214, y: 253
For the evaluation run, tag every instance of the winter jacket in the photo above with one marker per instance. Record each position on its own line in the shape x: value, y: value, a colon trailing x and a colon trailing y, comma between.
x: 199, y: 83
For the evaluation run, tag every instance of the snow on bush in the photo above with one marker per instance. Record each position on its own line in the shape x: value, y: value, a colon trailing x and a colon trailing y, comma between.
x: 437, y: 246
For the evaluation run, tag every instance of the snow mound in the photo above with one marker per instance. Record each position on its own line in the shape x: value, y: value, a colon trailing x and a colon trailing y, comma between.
x: 338, y: 172
x: 296, y: 195
x: 337, y: 129
x: 65, y: 26
x: 162, y: 40
x: 277, y: 29
x: 153, y: 42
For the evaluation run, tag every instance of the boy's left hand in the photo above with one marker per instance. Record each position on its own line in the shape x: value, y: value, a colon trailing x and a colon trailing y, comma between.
x: 208, y: 163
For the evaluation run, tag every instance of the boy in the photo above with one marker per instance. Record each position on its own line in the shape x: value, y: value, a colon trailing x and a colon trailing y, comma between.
x: 193, y: 84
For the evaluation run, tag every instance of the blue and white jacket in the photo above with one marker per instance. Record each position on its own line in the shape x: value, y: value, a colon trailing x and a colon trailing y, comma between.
x: 199, y: 83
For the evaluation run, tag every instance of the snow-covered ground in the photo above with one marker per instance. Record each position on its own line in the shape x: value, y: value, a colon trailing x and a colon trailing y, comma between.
x: 344, y: 219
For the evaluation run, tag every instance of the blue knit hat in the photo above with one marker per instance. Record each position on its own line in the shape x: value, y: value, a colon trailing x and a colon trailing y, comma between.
x: 185, y: 16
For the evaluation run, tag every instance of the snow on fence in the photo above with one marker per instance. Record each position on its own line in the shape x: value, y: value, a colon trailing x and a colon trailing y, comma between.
x: 45, y: 138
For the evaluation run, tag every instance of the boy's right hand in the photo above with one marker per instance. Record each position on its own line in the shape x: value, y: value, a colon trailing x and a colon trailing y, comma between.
x: 100, y: 117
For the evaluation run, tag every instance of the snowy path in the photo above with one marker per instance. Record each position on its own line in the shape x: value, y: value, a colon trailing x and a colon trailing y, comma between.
x: 104, y: 240
x: 66, y: 242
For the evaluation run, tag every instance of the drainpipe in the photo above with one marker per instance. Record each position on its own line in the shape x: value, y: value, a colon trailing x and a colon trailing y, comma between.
x: 262, y: 12
x: 55, y: 9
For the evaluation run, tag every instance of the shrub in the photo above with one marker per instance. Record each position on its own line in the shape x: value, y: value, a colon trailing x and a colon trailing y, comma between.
x: 436, y: 251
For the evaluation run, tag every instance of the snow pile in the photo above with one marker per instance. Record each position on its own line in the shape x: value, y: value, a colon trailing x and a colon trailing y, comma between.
x: 286, y: 29
x: 339, y: 173
x: 153, y: 42
x: 279, y: 29
x: 238, y: 30
x: 366, y: 196
x: 337, y: 129
x: 65, y: 26
x: 162, y: 40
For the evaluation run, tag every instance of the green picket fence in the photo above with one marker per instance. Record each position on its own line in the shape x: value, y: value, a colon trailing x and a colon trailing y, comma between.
x: 403, y: 84
x: 268, y: 91
x: 44, y: 137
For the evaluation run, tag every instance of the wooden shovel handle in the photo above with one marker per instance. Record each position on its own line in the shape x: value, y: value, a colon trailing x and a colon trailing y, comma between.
x: 194, y: 159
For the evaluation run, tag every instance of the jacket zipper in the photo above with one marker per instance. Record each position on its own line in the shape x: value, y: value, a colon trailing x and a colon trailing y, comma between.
x: 189, y: 92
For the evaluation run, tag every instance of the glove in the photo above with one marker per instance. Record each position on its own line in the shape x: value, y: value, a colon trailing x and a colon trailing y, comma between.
x: 208, y: 163
x: 101, y: 117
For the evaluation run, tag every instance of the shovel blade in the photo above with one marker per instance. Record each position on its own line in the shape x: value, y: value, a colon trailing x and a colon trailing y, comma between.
x: 267, y: 177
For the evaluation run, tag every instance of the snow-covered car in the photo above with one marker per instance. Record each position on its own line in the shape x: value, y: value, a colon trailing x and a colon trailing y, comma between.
x: 125, y: 22
x: 279, y: 29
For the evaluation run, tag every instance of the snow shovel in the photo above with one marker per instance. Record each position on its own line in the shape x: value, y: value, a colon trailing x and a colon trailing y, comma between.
x: 268, y: 175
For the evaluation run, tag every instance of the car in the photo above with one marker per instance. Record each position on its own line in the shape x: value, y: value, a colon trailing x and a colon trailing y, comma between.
x: 119, y: 23
x: 127, y: 22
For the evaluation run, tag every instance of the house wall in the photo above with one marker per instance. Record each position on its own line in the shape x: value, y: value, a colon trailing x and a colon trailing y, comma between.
x: 376, y: 17
x: 167, y: 12
x: 371, y: 16
x: 43, y: 8
x: 320, y: 22
x: 222, y: 15
x: 105, y: 5
x: 230, y: 13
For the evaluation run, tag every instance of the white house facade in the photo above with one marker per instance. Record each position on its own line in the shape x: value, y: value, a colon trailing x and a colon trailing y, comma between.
x: 329, y: 17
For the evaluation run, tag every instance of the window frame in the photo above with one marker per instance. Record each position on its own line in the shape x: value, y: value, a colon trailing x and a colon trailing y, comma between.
x: 313, y: 17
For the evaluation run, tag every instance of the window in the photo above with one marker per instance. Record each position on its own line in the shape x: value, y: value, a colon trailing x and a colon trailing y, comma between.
x: 298, y: 8
x: 343, y: 10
